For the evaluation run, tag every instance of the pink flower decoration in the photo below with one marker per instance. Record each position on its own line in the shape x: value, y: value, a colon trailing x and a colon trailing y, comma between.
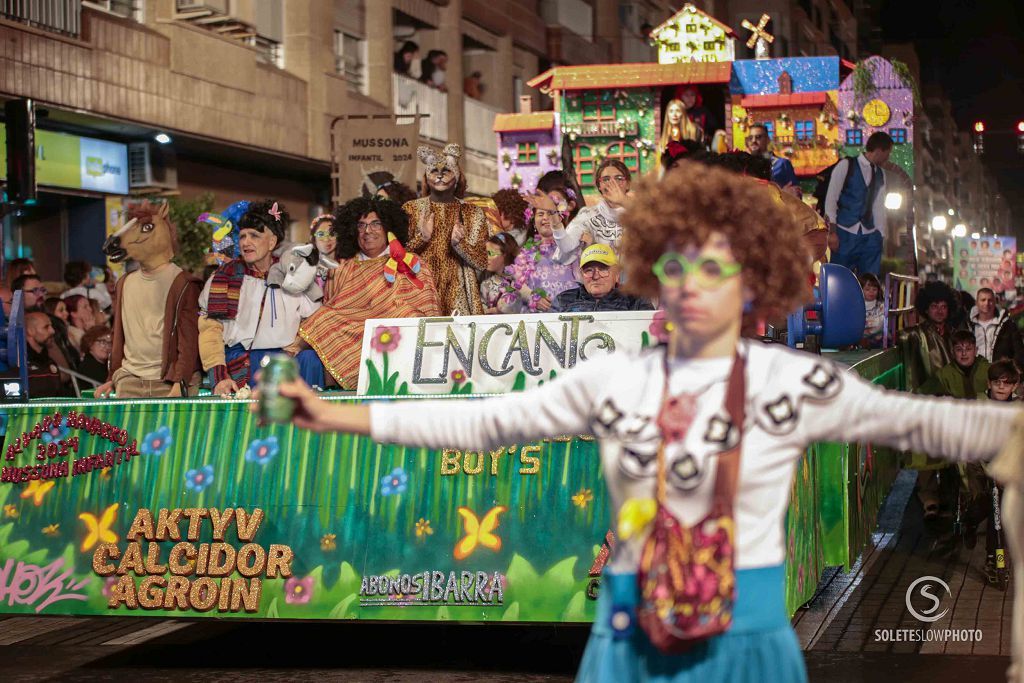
x: 385, y: 339
x: 660, y: 327
x: 298, y: 591
x: 108, y: 585
x: 458, y: 376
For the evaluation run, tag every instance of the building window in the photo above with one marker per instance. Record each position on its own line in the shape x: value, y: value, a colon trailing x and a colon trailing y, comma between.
x: 898, y: 135
x: 526, y: 153
x: 626, y: 153
x: 350, y: 60
x: 804, y: 130
x: 129, y: 9
x: 855, y: 137
x: 598, y: 106
x: 268, y: 51
x: 584, y: 158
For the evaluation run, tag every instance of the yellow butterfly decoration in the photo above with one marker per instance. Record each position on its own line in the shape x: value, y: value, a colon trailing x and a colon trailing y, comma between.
x: 635, y: 515
x: 52, y: 530
x: 99, y: 529
x: 478, y: 531
x: 36, y: 490
x: 582, y: 498
x: 11, y: 511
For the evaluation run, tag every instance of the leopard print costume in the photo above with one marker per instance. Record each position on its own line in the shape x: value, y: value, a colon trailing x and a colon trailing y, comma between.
x: 454, y: 268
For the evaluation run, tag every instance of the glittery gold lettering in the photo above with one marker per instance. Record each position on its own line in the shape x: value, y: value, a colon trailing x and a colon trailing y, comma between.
x: 203, y: 594
x: 175, y: 563
x: 123, y: 591
x: 195, y: 520
x: 450, y: 462
x: 167, y: 525
x: 222, y: 560
x: 279, y: 561
x: 153, y: 565
x: 476, y: 468
x: 132, y: 560
x: 603, y: 341
x: 485, y: 342
x: 259, y: 559
x: 220, y: 522
x: 247, y: 595
x: 544, y: 335
x: 531, y: 460
x: 520, y: 343
x: 103, y: 552
x: 176, y: 596
x: 151, y: 594
x: 495, y: 457
x: 247, y: 525
x: 142, y: 524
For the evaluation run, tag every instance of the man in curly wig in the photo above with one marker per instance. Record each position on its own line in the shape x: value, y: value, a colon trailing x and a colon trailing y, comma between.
x: 241, y: 319
x: 681, y: 421
x: 376, y: 278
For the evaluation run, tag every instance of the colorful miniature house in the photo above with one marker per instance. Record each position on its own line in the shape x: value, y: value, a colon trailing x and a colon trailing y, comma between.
x: 796, y: 99
x: 883, y: 101
x: 615, y: 111
x: 528, y: 147
x: 693, y: 36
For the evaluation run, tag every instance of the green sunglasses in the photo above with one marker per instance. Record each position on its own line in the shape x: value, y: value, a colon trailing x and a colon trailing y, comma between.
x: 708, y: 272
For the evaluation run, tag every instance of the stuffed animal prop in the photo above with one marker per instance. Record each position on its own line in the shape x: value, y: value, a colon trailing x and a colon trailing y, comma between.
x: 295, y: 270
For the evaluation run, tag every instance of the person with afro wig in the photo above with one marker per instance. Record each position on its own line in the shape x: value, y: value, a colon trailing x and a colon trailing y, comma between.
x: 376, y: 278
x: 700, y: 436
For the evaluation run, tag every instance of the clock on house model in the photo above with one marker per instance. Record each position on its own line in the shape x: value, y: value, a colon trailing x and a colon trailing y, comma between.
x: 876, y: 113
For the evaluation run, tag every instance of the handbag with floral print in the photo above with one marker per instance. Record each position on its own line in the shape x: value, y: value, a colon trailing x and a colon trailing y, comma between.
x: 686, y: 574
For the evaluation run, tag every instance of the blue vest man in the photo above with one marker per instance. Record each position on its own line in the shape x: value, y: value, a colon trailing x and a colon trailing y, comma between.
x: 855, y: 206
x: 783, y: 174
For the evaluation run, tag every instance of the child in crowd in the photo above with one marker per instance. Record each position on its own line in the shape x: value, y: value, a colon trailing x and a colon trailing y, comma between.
x: 966, y: 377
x: 324, y: 237
x: 874, y: 311
x: 502, y: 250
x: 1003, y: 380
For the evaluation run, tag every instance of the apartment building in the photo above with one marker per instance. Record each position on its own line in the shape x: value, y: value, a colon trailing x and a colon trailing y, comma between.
x: 236, y: 97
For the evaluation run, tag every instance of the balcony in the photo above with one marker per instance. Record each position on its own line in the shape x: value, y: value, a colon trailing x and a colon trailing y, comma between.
x: 574, y: 14
x: 479, y: 119
x: 411, y: 97
x: 56, y: 16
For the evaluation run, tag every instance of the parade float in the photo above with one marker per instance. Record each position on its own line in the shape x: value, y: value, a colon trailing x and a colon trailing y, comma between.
x: 187, y: 508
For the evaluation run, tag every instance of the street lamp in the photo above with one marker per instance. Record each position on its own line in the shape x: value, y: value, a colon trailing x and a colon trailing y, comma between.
x: 162, y: 138
x: 939, y: 223
x: 951, y: 212
x: 975, y: 235
x: 893, y: 201
x: 959, y: 230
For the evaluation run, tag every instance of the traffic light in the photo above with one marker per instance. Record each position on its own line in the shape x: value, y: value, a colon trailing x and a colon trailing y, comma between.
x: 1020, y: 137
x: 979, y: 137
x: 21, y: 151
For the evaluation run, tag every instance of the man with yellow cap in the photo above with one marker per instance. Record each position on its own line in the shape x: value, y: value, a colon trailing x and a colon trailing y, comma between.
x: 599, y: 270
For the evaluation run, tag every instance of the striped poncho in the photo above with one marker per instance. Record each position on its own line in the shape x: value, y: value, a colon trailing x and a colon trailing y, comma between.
x: 356, y: 292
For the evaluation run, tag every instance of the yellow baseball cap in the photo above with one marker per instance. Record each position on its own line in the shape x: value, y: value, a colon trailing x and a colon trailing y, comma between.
x: 601, y: 253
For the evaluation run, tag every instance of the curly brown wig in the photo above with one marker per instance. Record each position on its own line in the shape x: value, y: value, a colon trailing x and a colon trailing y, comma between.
x: 512, y: 205
x: 694, y: 201
x: 346, y: 218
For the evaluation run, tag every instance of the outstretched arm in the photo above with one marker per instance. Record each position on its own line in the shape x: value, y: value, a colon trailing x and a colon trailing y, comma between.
x: 562, y: 407
x: 955, y: 429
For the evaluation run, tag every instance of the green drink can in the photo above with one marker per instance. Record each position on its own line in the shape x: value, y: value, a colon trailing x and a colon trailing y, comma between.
x: 276, y: 368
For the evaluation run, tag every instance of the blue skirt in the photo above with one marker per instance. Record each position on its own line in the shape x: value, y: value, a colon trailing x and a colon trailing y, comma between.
x: 760, y: 645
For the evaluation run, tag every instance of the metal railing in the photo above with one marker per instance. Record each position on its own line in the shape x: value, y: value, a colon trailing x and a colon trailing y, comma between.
x: 412, y: 97
x: 56, y: 16
x: 900, y: 293
x: 479, y: 120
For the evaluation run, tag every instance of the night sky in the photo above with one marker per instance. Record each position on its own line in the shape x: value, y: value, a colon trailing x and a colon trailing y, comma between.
x: 976, y: 51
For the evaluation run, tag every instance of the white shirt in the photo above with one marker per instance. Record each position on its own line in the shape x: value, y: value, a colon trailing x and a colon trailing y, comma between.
x: 835, y: 189
x: 793, y: 400
x: 282, y: 313
x: 985, y: 332
x: 600, y: 220
x: 96, y: 293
